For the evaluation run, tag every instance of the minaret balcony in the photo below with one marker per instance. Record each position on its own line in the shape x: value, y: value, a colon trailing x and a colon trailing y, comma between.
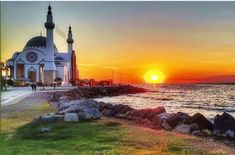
x: 70, y: 40
x: 50, y: 25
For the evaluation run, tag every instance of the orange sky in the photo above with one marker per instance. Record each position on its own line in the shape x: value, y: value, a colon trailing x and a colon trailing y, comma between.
x: 188, y: 41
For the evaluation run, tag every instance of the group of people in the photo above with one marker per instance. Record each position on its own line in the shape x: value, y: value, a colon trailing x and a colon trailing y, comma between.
x: 34, y: 87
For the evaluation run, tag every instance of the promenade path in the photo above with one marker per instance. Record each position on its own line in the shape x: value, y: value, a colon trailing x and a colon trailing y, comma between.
x: 16, y: 94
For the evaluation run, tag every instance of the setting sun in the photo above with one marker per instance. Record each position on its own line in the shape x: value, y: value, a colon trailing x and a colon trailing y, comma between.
x: 154, y: 76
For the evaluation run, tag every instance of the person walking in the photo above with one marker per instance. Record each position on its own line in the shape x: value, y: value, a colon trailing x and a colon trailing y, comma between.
x: 32, y: 86
x: 35, y: 87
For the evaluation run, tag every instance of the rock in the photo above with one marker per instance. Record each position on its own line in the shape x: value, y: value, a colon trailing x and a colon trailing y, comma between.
x: 107, y: 112
x: 184, y: 118
x: 196, y: 133
x: 103, y: 106
x: 216, y: 132
x: 71, y: 117
x: 89, y: 113
x: 230, y: 133
x: 145, y: 113
x: 224, y: 122
x: 121, y: 116
x: 121, y: 109
x: 156, y: 120
x: 51, y: 118
x: 166, y: 126
x: 96, y: 114
x: 202, y: 133
x: 207, y: 132
x: 164, y: 116
x: 194, y: 127
x: 174, y: 119
x: 113, y: 110
x: 183, y: 128
x: 84, y: 116
x: 77, y: 105
x: 63, y: 98
x: 43, y: 129
x: 201, y: 121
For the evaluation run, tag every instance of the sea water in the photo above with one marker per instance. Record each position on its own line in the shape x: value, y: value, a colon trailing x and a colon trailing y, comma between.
x: 207, y: 99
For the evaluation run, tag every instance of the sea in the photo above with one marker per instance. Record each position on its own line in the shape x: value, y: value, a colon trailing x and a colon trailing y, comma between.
x: 207, y: 99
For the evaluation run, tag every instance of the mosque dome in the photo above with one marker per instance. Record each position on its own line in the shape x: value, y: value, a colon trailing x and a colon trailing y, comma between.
x: 39, y: 41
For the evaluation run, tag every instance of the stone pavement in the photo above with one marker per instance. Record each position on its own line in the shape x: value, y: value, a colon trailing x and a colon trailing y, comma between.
x: 15, y: 94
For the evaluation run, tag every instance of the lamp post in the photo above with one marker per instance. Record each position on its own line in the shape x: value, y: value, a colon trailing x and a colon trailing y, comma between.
x: 120, y: 77
x: 112, y: 70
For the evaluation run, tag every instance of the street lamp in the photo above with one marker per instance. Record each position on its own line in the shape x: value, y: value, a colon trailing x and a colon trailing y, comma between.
x: 120, y: 77
x: 112, y: 70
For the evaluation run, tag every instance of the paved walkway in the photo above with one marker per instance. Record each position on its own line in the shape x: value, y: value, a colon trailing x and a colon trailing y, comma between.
x: 15, y: 94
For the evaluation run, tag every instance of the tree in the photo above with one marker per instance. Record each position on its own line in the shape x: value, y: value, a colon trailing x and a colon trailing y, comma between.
x: 2, y: 67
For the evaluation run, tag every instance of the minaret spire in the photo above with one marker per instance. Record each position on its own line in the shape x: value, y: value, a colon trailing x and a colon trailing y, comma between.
x: 70, y: 40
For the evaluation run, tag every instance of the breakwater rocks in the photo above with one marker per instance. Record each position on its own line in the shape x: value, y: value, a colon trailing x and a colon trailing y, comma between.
x: 95, y: 92
x: 156, y: 118
x: 76, y: 105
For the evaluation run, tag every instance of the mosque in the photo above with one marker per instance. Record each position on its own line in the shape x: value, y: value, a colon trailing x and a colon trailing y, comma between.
x: 40, y: 60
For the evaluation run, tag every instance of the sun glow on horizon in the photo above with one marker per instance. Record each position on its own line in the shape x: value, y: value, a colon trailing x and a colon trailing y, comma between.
x: 154, y: 76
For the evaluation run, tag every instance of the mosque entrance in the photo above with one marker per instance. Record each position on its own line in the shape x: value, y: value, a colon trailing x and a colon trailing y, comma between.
x: 32, y: 75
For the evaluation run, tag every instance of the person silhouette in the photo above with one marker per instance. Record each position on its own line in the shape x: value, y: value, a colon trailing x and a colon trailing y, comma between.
x: 32, y: 86
x: 35, y: 87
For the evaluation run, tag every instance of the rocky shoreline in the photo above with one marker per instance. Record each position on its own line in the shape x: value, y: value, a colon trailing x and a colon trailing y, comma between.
x: 76, y: 105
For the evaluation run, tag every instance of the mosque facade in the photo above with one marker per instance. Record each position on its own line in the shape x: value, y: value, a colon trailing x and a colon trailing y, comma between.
x: 40, y: 60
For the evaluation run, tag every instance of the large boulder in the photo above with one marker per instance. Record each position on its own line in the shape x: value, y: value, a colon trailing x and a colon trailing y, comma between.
x: 230, y: 133
x: 174, y: 119
x: 109, y: 109
x: 164, y: 116
x: 184, y: 117
x: 183, y: 128
x: 224, y: 122
x: 194, y: 127
x: 202, y: 122
x: 122, y: 109
x: 102, y: 106
x: 50, y: 118
x: 77, y: 105
x: 89, y: 113
x: 145, y: 113
x: 166, y: 126
x: 71, y: 117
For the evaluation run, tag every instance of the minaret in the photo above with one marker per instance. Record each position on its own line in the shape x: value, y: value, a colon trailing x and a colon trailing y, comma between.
x: 70, y: 41
x: 49, y: 67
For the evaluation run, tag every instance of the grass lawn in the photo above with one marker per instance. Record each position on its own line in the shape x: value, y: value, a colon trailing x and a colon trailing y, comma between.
x: 105, y: 136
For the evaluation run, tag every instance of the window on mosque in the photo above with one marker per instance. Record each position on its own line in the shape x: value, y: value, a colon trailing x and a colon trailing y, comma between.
x: 31, y: 57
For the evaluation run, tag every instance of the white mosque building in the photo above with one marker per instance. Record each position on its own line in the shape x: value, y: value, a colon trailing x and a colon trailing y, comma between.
x: 40, y: 60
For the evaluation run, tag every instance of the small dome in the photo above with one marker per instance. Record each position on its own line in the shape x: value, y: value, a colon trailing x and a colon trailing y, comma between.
x: 38, y: 41
x: 59, y: 58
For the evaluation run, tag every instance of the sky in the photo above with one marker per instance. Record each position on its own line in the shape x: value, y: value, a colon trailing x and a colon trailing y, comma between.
x: 187, y: 41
